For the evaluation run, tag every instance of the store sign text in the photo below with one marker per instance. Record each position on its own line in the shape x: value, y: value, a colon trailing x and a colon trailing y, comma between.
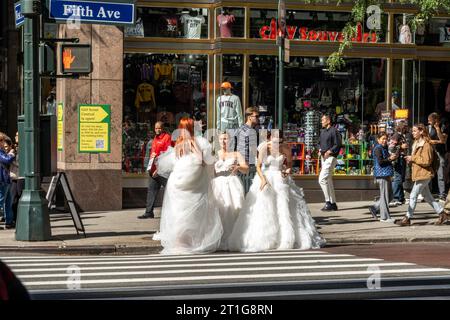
x: 303, y: 33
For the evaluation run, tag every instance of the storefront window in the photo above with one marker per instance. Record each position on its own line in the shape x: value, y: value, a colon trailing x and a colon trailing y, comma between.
x: 230, y: 22
x: 313, y: 26
x: 159, y: 87
x: 351, y: 96
x: 435, y: 33
x: 188, y: 23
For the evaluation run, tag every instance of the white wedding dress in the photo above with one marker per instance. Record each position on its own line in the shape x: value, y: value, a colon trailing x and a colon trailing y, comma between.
x: 190, y: 223
x: 228, y: 196
x: 276, y: 217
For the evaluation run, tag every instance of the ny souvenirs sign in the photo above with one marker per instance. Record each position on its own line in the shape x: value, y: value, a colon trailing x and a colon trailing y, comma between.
x: 306, y: 34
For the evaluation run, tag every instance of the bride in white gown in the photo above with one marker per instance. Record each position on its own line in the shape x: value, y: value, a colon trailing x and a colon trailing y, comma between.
x: 275, y: 214
x: 190, y: 223
x: 227, y: 187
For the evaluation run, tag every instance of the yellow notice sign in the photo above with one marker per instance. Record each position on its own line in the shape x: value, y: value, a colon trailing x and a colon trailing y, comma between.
x: 94, y: 128
x: 60, y: 126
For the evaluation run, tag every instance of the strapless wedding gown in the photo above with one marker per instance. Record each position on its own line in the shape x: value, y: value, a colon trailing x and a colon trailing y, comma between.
x: 228, y: 196
x: 276, y: 217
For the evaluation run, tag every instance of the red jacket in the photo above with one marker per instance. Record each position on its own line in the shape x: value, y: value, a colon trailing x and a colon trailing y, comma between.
x: 160, y: 144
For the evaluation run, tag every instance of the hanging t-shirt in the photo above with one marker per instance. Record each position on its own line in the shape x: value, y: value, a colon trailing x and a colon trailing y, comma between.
x: 226, y: 22
x: 192, y: 26
x: 181, y: 72
x: 163, y: 71
x: 145, y: 94
x: 169, y: 26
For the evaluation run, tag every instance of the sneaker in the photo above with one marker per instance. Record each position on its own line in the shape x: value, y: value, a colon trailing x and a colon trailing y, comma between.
x: 420, y: 198
x: 443, y: 218
x: 327, y: 207
x: 393, y: 204
x: 403, y: 222
x: 373, y: 211
x: 334, y: 207
x: 147, y: 216
x: 390, y: 220
x: 10, y: 226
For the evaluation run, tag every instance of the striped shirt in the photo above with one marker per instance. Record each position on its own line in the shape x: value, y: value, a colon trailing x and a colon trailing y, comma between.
x: 247, y: 143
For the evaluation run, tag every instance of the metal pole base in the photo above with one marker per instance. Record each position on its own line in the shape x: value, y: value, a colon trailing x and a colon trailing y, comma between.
x: 33, y: 220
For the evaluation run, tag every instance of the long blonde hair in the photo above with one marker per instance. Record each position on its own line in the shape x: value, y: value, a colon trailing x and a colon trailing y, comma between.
x: 423, y: 131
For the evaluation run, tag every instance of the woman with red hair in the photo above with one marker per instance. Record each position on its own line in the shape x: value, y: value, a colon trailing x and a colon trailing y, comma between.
x: 190, y: 223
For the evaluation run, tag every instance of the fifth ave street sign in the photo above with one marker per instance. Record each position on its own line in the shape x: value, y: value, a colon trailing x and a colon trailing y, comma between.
x: 116, y: 12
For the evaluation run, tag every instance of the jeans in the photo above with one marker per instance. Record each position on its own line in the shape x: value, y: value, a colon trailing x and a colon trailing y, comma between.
x: 422, y: 187
x: 6, y: 201
x: 397, y: 182
x: 326, y: 178
x: 154, y: 185
x: 439, y: 176
x: 382, y: 205
x: 247, y: 179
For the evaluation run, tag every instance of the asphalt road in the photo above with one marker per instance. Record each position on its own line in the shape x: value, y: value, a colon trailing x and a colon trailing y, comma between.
x: 397, y: 271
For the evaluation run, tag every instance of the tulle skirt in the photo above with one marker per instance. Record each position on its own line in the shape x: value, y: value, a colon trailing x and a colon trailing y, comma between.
x: 276, y: 217
x: 190, y: 223
x: 228, y: 198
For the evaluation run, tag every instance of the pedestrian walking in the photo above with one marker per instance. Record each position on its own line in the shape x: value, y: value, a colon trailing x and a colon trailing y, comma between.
x: 438, y: 140
x: 383, y: 171
x: 399, y: 164
x: 247, y: 145
x: 330, y: 144
x: 6, y: 158
x: 421, y: 160
x: 161, y: 143
x: 17, y: 181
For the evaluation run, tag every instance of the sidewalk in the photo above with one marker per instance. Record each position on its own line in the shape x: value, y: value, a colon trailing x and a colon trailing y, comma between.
x: 120, y: 232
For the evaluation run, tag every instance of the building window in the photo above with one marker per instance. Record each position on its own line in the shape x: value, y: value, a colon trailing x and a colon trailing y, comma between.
x: 313, y: 26
x: 159, y: 87
x: 230, y: 22
x: 187, y: 23
x: 354, y: 97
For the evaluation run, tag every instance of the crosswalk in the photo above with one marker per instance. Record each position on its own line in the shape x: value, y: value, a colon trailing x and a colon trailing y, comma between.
x: 222, y: 275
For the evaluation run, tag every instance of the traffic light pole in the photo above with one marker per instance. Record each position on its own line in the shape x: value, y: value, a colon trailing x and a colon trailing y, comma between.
x: 33, y: 221
x: 280, y: 82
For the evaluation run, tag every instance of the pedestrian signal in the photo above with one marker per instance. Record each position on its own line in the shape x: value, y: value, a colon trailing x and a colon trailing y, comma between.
x: 76, y: 58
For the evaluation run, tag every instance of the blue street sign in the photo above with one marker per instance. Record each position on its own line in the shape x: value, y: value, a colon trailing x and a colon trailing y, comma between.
x: 113, y: 12
x: 20, y: 19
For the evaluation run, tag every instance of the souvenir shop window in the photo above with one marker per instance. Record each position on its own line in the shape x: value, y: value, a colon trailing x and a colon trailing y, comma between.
x: 159, y: 87
x: 313, y: 26
x: 230, y: 22
x: 262, y: 88
x: 349, y: 95
x: 403, y: 95
x: 434, y: 33
x: 187, y: 23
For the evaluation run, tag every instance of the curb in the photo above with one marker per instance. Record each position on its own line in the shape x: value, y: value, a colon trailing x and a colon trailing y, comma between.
x: 155, y: 249
x: 85, y: 250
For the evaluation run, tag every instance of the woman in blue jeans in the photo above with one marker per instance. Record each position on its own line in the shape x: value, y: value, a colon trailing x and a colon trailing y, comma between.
x: 383, y: 171
x: 5, y: 182
x: 421, y: 160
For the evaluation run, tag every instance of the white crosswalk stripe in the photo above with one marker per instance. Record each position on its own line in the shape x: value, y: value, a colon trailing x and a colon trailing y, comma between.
x: 47, y: 272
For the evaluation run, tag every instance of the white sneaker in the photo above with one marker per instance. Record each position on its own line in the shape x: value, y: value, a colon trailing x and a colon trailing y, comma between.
x: 390, y: 220
x: 420, y: 198
x: 393, y: 204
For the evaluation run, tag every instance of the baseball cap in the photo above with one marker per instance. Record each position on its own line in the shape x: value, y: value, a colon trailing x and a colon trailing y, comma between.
x: 226, y: 85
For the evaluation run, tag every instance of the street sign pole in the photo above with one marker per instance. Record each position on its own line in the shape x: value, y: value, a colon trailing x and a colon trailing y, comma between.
x: 33, y: 222
x: 280, y: 41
